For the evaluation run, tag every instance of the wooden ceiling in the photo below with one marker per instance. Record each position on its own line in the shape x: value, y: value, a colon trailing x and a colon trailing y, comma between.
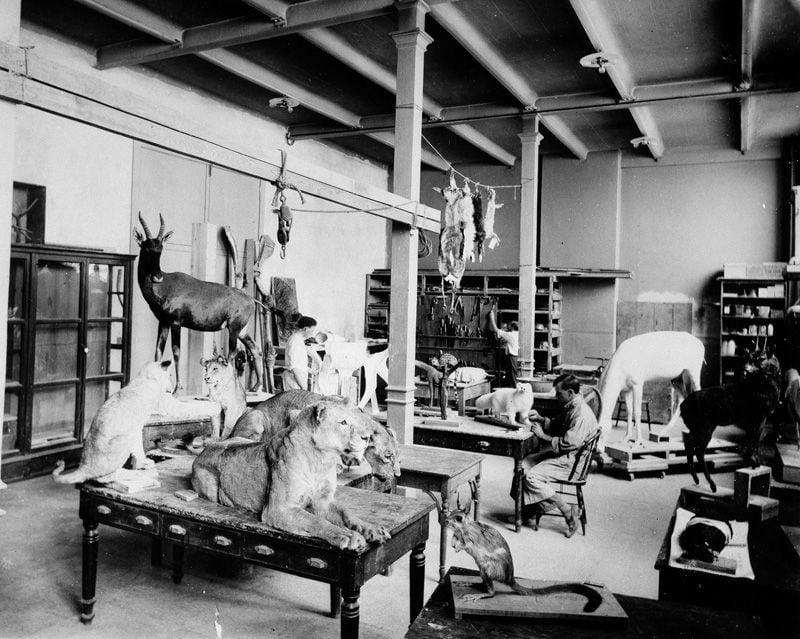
x: 680, y: 75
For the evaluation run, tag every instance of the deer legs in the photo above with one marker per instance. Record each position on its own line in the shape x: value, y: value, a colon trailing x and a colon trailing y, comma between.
x: 175, y: 342
x: 253, y: 352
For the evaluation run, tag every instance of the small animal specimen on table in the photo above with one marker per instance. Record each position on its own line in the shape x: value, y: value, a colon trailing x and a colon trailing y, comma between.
x: 704, y: 538
x: 792, y: 399
x: 290, y: 481
x: 116, y: 431
x: 445, y: 363
x: 746, y: 402
x: 180, y: 300
x: 492, y: 555
x: 511, y: 403
x: 225, y: 388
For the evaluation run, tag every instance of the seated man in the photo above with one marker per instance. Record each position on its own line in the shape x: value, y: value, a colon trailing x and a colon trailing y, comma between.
x: 567, y: 432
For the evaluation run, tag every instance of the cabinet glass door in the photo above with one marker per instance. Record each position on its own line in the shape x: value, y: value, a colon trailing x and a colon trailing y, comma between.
x: 15, y: 356
x: 57, y: 346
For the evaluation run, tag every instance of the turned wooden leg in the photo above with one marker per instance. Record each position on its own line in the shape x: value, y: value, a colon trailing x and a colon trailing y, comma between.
x: 336, y: 600
x: 350, y: 612
x: 518, y: 474
x: 416, y: 578
x: 91, y: 539
x: 177, y: 563
x: 475, y: 486
x: 443, y: 536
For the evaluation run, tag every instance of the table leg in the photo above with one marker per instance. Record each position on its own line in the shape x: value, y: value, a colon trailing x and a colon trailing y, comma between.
x: 155, y: 551
x: 177, y: 563
x: 350, y: 612
x: 336, y: 600
x: 416, y: 578
x: 91, y: 539
x: 518, y: 499
x: 443, y: 536
x: 475, y: 487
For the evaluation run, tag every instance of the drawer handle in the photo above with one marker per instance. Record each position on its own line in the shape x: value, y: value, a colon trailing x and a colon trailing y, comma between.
x: 316, y: 562
x: 103, y: 510
x: 219, y: 540
x: 263, y: 550
x: 143, y: 521
x: 175, y: 529
x: 483, y: 444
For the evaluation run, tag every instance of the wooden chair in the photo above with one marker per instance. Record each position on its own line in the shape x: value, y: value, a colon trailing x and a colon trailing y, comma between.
x: 571, y: 489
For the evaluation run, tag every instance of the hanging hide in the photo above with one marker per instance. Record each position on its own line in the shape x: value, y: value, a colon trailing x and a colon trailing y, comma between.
x: 451, y: 238
x: 465, y: 223
x: 488, y: 220
x: 477, y: 218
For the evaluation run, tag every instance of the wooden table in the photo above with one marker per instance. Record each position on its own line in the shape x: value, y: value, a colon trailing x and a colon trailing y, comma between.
x: 483, y: 438
x: 232, y: 532
x: 775, y: 592
x: 646, y: 618
x: 440, y: 470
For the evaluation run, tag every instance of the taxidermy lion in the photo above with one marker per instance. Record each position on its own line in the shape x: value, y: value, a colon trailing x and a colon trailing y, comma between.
x: 291, y: 480
x: 509, y: 402
x: 116, y: 431
x: 224, y: 388
x: 272, y: 415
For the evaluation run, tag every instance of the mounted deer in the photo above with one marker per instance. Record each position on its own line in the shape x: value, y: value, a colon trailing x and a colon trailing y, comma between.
x: 658, y: 356
x: 180, y: 300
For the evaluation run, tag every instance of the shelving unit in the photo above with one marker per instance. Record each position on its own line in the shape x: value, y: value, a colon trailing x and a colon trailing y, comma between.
x: 750, y: 310
x: 462, y: 328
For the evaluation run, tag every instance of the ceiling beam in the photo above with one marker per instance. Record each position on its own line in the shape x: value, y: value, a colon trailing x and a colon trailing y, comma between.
x: 603, y: 38
x: 479, y: 46
x: 550, y: 106
x: 747, y: 112
x: 298, y: 17
x: 145, y: 20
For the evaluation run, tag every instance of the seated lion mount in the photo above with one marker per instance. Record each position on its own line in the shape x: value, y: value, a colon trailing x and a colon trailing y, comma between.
x: 290, y: 481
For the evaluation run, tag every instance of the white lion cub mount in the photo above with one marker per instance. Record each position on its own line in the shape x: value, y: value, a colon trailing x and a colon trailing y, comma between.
x: 509, y: 402
x: 116, y: 431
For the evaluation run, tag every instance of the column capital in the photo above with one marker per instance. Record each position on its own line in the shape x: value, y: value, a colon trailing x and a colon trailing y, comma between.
x: 411, y: 39
x: 528, y: 138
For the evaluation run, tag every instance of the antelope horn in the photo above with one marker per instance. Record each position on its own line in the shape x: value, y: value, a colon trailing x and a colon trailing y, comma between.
x: 161, y: 228
x: 145, y: 228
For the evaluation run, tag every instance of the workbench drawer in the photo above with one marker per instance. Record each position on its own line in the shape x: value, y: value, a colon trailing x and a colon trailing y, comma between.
x: 303, y: 560
x: 459, y: 441
x: 199, y: 535
x: 113, y: 513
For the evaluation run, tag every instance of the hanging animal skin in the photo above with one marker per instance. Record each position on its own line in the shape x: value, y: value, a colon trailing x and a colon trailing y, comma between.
x: 477, y: 218
x: 488, y: 220
x: 452, y: 251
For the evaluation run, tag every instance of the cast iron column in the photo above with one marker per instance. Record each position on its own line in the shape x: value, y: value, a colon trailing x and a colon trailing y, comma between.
x: 528, y: 223
x: 411, y: 41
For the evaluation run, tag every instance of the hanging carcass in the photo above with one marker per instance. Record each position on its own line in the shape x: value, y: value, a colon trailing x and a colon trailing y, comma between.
x: 488, y: 221
x: 457, y: 238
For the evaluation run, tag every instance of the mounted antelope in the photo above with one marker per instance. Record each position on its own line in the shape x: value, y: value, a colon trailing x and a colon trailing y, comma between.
x: 180, y: 300
x: 659, y: 356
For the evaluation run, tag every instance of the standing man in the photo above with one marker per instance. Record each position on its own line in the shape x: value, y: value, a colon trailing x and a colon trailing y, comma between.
x: 298, y: 353
x: 565, y: 434
x: 510, y: 341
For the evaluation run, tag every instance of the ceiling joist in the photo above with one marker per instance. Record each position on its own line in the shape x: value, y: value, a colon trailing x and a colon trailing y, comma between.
x: 464, y: 31
x: 150, y: 22
x: 299, y: 17
x: 604, y: 40
x: 747, y: 112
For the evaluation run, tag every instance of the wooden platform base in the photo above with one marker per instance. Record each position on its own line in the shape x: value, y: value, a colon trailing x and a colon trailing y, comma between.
x: 660, y: 456
x: 498, y: 421
x: 788, y: 463
x: 506, y: 603
x: 723, y: 565
x: 722, y: 503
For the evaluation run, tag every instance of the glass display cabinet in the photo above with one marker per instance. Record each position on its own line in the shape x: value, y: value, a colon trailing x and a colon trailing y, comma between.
x: 69, y: 326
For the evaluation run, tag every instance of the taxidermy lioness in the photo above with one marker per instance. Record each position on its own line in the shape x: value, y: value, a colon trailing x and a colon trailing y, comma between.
x: 225, y: 388
x: 116, y: 431
x: 509, y: 402
x: 291, y: 480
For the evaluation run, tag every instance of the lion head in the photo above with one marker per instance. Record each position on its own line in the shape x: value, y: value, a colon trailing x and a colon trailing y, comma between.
x: 335, y: 428
x: 383, y: 452
x: 217, y: 372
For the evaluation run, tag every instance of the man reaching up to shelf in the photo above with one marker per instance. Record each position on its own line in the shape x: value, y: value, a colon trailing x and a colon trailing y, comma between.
x: 510, y: 341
